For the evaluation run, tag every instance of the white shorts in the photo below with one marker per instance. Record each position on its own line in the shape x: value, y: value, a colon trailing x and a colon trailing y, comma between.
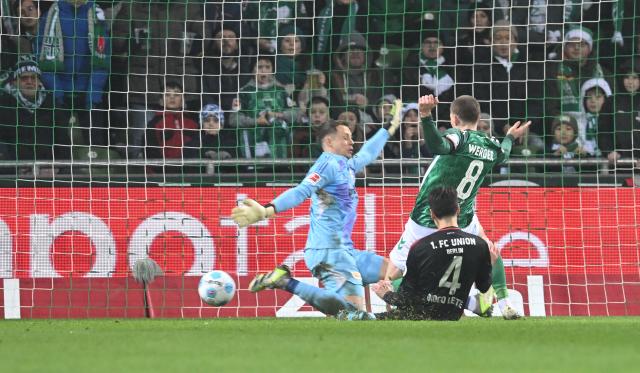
x: 412, y: 233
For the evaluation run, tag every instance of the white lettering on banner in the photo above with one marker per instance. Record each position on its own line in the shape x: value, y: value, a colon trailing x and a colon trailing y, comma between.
x: 204, y: 253
x: 6, y: 251
x: 543, y: 255
x: 43, y: 235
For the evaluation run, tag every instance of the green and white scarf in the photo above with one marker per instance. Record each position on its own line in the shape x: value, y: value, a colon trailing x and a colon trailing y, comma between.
x: 24, y: 102
x: 52, y: 52
x: 569, y: 82
x: 433, y: 76
x: 432, y: 66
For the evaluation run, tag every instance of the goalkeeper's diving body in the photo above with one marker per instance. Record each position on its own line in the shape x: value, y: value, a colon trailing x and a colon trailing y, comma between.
x: 329, y: 252
x: 441, y: 268
x: 464, y: 156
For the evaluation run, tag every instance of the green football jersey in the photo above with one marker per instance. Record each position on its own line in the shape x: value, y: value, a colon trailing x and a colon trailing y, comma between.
x: 472, y: 155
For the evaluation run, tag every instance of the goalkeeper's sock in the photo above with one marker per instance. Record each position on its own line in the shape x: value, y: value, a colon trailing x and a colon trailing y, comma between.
x: 327, y: 302
x: 499, y: 280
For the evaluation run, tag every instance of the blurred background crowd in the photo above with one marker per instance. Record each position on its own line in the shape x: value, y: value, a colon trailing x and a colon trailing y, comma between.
x: 224, y: 80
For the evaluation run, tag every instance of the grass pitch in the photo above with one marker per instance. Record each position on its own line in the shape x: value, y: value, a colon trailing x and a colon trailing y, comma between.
x: 311, y: 345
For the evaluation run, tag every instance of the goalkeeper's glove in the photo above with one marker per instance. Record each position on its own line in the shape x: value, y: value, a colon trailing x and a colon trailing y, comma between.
x: 394, y: 123
x: 251, y: 212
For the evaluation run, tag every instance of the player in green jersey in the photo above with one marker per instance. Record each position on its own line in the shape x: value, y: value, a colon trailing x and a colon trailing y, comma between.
x: 464, y: 156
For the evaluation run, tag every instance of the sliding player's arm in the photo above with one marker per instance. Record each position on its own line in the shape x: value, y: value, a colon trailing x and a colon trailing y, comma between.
x: 384, y: 290
x: 372, y: 148
x: 401, y: 297
x: 251, y: 211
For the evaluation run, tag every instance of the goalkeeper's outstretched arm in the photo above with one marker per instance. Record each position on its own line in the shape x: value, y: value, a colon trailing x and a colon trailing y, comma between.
x: 250, y: 211
x: 373, y: 147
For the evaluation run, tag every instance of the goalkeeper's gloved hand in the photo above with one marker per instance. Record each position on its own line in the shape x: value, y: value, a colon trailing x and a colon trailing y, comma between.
x: 251, y: 212
x: 394, y: 123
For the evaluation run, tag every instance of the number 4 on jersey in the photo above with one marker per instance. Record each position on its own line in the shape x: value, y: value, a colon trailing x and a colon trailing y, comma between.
x: 454, y: 284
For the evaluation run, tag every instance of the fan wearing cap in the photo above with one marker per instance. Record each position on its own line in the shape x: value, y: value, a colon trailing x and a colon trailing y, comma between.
x: 354, y: 80
x: 215, y: 142
x: 565, y: 140
x: 29, y: 127
x: 565, y: 78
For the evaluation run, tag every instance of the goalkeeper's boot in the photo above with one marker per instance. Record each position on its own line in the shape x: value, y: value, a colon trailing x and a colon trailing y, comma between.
x: 276, y: 279
x: 345, y: 315
x: 484, y: 303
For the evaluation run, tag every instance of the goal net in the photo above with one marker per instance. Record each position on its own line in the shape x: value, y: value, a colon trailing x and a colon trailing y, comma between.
x: 130, y: 129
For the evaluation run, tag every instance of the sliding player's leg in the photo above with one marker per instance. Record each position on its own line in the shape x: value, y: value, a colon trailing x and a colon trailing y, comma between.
x: 498, y: 276
x: 502, y: 293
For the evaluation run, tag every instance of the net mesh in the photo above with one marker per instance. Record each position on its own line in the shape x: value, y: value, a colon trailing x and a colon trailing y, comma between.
x: 130, y: 129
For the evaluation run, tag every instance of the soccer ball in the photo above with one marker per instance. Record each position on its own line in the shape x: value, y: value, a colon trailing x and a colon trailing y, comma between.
x: 216, y: 288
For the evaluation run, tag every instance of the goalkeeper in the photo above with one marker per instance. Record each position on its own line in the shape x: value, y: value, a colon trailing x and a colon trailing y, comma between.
x: 329, y: 252
x: 440, y: 268
x: 464, y: 157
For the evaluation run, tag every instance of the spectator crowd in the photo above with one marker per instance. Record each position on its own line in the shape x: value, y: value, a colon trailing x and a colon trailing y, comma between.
x: 249, y: 79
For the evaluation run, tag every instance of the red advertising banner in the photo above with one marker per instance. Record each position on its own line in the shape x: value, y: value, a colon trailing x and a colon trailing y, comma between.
x: 576, y: 248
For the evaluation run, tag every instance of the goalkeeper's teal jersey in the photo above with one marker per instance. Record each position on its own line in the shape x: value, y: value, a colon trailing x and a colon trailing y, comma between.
x: 472, y: 155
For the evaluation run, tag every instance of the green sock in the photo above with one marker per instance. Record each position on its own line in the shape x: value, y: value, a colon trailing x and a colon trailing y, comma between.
x: 499, y: 279
x: 396, y: 283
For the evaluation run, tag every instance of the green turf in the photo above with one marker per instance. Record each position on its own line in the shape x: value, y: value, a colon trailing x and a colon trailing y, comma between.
x: 302, y: 345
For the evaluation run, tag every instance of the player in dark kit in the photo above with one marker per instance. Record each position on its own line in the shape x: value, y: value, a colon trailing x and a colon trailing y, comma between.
x: 440, y: 268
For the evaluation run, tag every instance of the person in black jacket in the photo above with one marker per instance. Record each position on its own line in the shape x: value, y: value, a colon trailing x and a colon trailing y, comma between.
x: 626, y: 134
x: 510, y: 88
x: 441, y: 268
x: 30, y: 128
